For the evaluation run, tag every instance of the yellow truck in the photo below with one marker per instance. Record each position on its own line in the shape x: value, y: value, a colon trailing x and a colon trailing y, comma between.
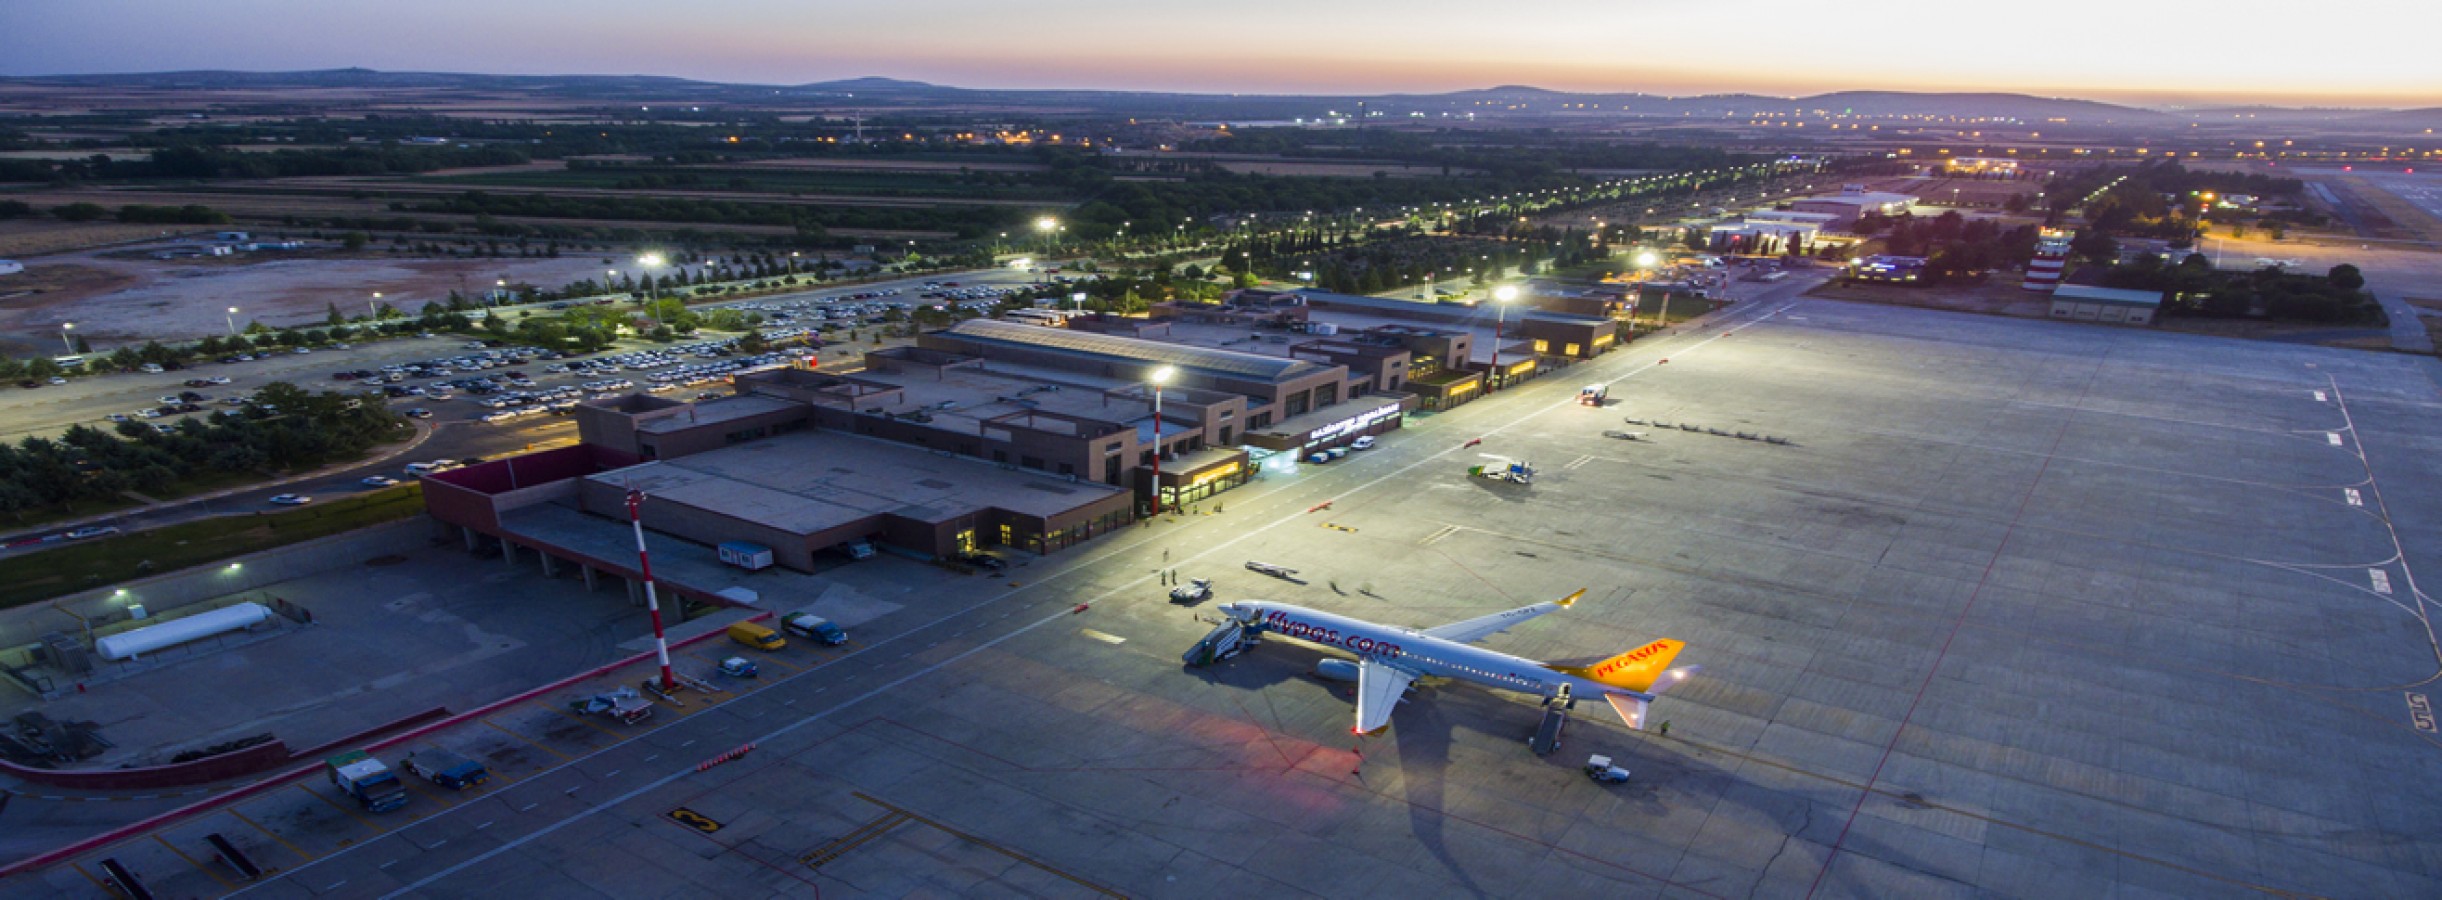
x: 757, y: 636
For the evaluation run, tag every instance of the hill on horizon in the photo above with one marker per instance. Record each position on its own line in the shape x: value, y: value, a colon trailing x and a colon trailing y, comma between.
x: 1861, y: 102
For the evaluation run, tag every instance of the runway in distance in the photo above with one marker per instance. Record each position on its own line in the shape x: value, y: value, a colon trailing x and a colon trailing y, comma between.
x: 1390, y: 658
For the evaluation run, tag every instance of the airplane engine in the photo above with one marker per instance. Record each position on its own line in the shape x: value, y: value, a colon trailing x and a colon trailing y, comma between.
x: 1336, y: 669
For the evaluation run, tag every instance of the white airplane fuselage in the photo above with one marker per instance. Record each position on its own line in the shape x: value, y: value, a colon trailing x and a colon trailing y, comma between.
x: 1423, y: 654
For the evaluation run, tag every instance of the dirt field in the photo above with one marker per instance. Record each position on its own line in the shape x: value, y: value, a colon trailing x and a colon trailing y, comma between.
x: 36, y: 237
x: 115, y: 301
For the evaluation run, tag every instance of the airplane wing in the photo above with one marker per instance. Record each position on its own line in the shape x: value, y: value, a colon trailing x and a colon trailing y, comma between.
x: 1379, y: 687
x: 1481, y: 627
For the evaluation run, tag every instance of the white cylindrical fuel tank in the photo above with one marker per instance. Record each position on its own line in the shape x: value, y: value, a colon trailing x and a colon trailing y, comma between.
x: 130, y: 644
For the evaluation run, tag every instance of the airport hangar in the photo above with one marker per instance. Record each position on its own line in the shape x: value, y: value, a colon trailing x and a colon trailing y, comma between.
x: 983, y: 434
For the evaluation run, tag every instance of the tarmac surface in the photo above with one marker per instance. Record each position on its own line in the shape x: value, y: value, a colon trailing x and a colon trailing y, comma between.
x: 2025, y: 608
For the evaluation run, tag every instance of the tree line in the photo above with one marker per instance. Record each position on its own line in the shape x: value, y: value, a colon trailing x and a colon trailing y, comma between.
x: 1955, y: 247
x: 2193, y: 287
x: 285, y: 429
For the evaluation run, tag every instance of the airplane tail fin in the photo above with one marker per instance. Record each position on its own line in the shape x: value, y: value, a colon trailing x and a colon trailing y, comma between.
x: 1635, y: 670
x: 1571, y: 600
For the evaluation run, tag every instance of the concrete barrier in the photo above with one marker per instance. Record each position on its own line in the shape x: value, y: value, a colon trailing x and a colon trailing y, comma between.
x: 225, y: 798
x: 222, y: 767
x: 234, y: 764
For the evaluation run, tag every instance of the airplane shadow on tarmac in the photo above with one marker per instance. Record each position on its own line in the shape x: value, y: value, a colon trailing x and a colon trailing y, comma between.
x: 1669, y: 773
x: 1504, y: 491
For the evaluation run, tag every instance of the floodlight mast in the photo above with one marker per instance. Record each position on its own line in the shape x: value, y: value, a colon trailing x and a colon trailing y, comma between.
x: 1159, y: 377
x: 652, y: 604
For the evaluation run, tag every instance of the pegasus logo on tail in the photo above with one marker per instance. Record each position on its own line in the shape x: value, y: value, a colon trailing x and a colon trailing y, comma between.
x: 1635, y: 670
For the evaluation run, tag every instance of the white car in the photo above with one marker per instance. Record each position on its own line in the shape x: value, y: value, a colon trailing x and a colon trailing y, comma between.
x: 291, y: 499
x: 378, y: 481
x: 1363, y: 443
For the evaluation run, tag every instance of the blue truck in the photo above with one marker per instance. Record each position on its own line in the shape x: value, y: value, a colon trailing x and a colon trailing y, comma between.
x: 446, y: 769
x: 811, y: 626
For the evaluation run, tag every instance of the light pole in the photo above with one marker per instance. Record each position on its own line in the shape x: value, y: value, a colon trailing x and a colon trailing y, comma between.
x: 1501, y: 297
x: 647, y: 263
x: 373, y: 306
x: 1159, y: 377
x: 1047, y: 225
x: 64, y: 328
x: 231, y: 318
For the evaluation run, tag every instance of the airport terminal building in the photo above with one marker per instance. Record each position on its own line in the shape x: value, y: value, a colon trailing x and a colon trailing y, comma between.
x: 985, y: 434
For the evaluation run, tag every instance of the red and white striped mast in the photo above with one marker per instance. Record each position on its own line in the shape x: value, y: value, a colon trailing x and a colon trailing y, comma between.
x: 661, y: 643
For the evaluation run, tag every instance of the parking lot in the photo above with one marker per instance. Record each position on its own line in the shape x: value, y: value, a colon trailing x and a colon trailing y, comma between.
x: 48, y: 409
x: 2019, y: 608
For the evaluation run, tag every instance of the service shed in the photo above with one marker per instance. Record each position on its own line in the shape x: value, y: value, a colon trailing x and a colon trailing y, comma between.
x: 2087, y: 303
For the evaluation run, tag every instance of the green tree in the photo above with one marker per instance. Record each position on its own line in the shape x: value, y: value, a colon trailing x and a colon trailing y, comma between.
x: 354, y: 240
x: 2346, y: 277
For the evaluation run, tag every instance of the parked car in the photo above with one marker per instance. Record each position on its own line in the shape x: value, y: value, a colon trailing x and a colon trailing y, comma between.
x: 419, y: 413
x: 1363, y: 443
x: 984, y: 561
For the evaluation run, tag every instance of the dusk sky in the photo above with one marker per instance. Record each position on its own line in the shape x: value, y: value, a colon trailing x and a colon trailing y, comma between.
x: 2377, y: 52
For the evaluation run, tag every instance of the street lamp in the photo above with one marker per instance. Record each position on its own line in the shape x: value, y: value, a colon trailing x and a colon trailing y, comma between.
x: 373, y: 306
x: 1046, y: 225
x: 1159, y: 377
x: 1501, y: 298
x: 64, y: 328
x: 231, y: 318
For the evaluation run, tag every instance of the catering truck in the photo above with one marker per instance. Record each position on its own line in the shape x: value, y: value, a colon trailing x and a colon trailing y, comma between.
x: 357, y: 774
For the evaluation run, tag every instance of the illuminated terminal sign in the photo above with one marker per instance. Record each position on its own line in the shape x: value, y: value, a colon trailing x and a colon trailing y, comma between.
x: 1357, y: 422
x: 1221, y: 471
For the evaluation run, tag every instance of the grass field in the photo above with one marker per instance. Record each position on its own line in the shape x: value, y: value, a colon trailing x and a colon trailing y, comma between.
x: 39, y: 576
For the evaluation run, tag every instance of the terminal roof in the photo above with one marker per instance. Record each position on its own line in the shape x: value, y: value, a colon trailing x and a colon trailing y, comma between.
x: 1223, y: 363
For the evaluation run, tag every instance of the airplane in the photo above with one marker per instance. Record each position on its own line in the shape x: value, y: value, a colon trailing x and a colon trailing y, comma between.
x: 1390, y: 658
